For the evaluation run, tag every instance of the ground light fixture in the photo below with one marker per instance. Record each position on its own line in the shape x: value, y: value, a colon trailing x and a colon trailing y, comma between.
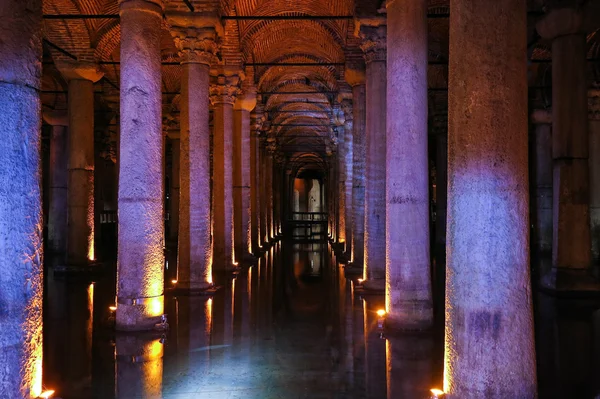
x: 437, y: 393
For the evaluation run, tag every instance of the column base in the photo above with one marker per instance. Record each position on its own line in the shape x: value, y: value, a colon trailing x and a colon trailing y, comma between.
x: 565, y: 282
x: 353, y: 268
x: 414, y: 316
x: 372, y: 287
x: 140, y: 314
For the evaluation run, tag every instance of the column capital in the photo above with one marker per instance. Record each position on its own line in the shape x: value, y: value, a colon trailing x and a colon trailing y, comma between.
x: 246, y: 100
x: 373, y: 42
x: 196, y: 45
x: 594, y: 104
x: 56, y: 118
x: 226, y: 90
x: 560, y: 22
x: 144, y: 5
x: 79, y: 70
x: 354, y: 73
x: 541, y: 117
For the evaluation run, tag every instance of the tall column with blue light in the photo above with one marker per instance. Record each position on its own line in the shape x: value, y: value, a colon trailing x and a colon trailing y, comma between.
x: 223, y: 96
x: 571, y: 241
x: 140, y: 270
x: 373, y: 45
x: 489, y: 336
x: 21, y: 224
x: 340, y: 189
x: 254, y: 184
x: 346, y: 104
x: 408, y: 279
x: 197, y: 49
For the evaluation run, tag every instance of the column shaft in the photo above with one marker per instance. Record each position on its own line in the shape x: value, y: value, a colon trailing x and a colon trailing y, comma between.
x: 175, y: 187
x: 542, y: 167
x: 269, y: 194
x: 194, y: 253
x: 358, y: 174
x: 140, y: 284
x: 441, y: 199
x: 223, y: 186
x: 80, y: 187
x: 341, y: 185
x: 21, y: 251
x: 348, y: 138
x: 263, y: 195
x: 489, y: 344
x: 242, y: 183
x: 57, y: 209
x: 408, y: 280
x: 594, y: 131
x: 254, y: 193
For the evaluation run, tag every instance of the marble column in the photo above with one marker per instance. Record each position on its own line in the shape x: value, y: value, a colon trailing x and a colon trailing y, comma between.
x: 269, y: 192
x: 57, y: 209
x: 489, y: 344
x: 140, y: 270
x: 80, y: 187
x: 340, y: 189
x: 594, y: 144
x: 348, y: 187
x: 262, y: 192
x: 242, y: 181
x: 374, y: 47
x: 254, y: 187
x: 223, y: 96
x: 175, y: 187
x: 197, y: 50
x: 408, y: 280
x: 542, y: 183
x: 357, y: 81
x: 21, y: 250
x: 571, y: 242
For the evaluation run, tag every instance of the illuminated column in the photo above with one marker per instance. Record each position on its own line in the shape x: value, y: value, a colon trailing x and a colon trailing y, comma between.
x: 269, y: 190
x: 139, y: 366
x: 21, y: 251
x: 594, y: 130
x: 340, y: 188
x: 441, y: 167
x: 80, y: 187
x: 242, y: 181
x: 262, y: 166
x: 408, y: 281
x: 175, y: 186
x: 348, y: 157
x: 374, y: 48
x: 223, y: 97
x: 57, y: 212
x: 197, y: 49
x: 542, y: 175
x: 571, y: 242
x: 489, y: 344
x: 254, y: 186
x: 140, y: 284
x: 357, y: 80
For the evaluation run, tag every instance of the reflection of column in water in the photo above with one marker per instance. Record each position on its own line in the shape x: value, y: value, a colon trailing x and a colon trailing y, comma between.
x: 596, y: 353
x: 546, y: 340
x: 409, y: 366
x: 358, y: 347
x: 374, y: 351
x: 139, y: 366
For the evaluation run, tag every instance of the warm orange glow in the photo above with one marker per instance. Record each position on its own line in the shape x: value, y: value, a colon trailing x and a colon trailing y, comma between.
x: 173, y: 282
x: 208, y: 315
x: 381, y: 313
x: 46, y: 394
x: 112, y: 308
x: 156, y: 306
x: 209, y: 278
x: 360, y: 280
x: 437, y: 393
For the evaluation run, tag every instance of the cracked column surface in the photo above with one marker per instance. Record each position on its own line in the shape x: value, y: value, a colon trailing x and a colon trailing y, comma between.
x: 571, y: 242
x: 408, y: 280
x: 140, y: 283
x: 242, y: 181
x: 80, y: 187
x: 223, y: 96
x: 197, y: 48
x: 489, y: 341
x: 57, y: 208
x: 21, y: 283
x: 374, y: 48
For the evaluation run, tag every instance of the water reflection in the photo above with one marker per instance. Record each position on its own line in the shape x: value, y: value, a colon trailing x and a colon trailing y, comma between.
x: 290, y: 326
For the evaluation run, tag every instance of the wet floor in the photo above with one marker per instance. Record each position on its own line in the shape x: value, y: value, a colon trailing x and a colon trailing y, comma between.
x: 289, y: 327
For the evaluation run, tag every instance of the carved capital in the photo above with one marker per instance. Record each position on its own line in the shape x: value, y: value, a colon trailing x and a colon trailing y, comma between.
x: 56, y: 118
x: 373, y: 42
x: 79, y: 70
x: 246, y: 100
x: 560, y: 22
x: 196, y: 45
x: 148, y: 5
x: 225, y: 90
x: 594, y: 104
x: 354, y: 74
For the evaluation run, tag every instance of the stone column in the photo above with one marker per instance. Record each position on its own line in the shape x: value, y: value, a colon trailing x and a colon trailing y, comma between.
x: 57, y: 209
x: 197, y: 49
x: 542, y: 185
x: 223, y: 97
x: 175, y: 187
x: 348, y: 157
x: 441, y: 164
x: 140, y: 283
x: 594, y: 144
x: 340, y: 189
x: 138, y: 366
x: 374, y: 48
x: 262, y: 166
x: 357, y: 80
x: 242, y: 181
x: 269, y: 192
x: 408, y: 278
x: 80, y: 187
x: 489, y: 344
x: 571, y: 242
x: 254, y: 188
x: 21, y: 250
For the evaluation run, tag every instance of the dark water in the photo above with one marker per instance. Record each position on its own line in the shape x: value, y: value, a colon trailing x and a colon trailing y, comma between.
x: 289, y: 327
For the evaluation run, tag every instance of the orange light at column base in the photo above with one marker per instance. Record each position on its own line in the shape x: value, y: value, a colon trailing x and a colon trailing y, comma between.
x: 437, y: 393
x: 112, y: 308
x: 381, y: 313
x: 46, y: 394
x: 173, y: 282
